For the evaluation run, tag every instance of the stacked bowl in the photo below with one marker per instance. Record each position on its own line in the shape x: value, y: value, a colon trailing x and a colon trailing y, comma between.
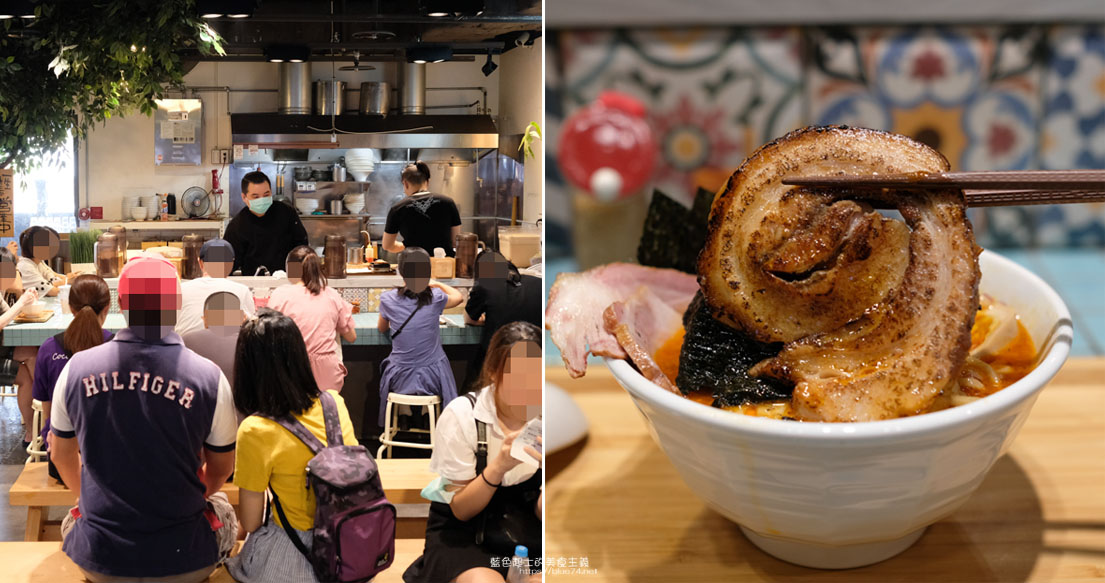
x: 152, y: 204
x: 360, y: 162
x: 130, y: 202
x: 354, y: 202
x: 306, y: 206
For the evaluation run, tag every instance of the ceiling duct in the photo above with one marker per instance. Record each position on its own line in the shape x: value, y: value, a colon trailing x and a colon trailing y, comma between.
x: 278, y: 131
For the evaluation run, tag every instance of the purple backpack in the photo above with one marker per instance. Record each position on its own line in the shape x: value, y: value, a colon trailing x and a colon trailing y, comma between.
x: 354, y: 533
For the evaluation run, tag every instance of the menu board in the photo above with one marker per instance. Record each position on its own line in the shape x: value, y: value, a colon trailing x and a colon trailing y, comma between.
x: 7, y: 199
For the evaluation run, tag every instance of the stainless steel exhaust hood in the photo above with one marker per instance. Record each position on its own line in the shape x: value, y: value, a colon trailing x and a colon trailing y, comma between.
x: 280, y: 131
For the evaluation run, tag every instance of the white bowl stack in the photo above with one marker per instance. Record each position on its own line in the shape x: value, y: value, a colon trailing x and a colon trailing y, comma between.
x: 130, y: 202
x: 360, y: 162
x: 306, y: 206
x: 152, y: 203
x: 354, y: 202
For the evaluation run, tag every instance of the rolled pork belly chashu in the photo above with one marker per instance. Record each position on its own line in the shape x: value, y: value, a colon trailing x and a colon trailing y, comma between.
x: 875, y: 313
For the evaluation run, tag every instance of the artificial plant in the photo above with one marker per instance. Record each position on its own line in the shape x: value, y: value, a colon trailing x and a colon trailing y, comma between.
x: 80, y: 63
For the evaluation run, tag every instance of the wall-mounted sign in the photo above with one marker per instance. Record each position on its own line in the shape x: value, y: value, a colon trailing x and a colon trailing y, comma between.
x: 178, y: 132
x: 7, y: 200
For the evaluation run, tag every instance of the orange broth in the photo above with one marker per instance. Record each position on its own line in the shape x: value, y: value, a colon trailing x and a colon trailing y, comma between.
x: 1011, y: 363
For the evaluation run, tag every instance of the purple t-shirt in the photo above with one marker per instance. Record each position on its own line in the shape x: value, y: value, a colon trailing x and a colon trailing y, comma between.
x: 52, y: 357
x: 141, y: 412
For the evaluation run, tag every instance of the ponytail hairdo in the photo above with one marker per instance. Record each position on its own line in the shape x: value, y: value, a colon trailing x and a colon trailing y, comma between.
x: 312, y: 275
x: 88, y: 298
x: 416, y: 173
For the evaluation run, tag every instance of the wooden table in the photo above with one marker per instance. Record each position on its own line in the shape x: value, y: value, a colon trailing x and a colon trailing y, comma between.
x: 43, y: 562
x: 403, y: 480
x: 616, y: 500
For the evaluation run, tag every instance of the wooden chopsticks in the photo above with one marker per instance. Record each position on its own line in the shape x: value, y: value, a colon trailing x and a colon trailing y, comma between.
x: 988, y: 188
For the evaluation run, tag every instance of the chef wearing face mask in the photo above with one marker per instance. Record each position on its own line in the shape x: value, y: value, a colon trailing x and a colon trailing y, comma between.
x: 263, y: 233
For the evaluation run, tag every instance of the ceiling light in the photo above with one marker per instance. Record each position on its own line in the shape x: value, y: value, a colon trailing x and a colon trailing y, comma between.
x: 228, y: 8
x: 289, y: 53
x: 429, y: 54
x: 489, y: 67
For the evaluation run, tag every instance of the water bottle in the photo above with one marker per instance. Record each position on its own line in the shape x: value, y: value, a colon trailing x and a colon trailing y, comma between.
x: 519, y: 572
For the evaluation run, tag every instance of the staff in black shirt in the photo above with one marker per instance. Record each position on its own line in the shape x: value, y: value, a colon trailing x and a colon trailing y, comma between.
x: 425, y: 219
x: 263, y: 233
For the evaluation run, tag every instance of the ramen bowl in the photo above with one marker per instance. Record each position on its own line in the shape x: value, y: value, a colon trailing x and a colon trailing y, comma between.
x: 842, y: 495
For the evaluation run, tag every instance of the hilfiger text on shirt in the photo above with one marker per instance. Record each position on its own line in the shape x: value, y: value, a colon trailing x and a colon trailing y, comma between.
x: 103, y: 383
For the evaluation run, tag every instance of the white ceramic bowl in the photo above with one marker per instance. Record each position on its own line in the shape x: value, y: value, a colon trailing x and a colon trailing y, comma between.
x: 841, y: 495
x: 138, y: 213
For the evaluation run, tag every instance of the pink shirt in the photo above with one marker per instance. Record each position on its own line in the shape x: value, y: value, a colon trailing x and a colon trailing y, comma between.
x: 320, y: 319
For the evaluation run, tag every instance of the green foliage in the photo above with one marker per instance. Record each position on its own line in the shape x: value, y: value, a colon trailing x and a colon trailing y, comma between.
x: 533, y: 133
x: 80, y: 63
x: 81, y: 245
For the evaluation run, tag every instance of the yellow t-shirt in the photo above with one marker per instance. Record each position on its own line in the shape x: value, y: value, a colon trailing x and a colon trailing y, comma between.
x: 267, y: 453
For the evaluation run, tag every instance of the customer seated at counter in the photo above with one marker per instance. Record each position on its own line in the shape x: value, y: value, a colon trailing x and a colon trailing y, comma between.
x: 217, y: 339
x: 321, y: 314
x: 16, y: 362
x: 466, y: 534
x: 90, y: 301
x: 216, y: 261
x: 425, y: 219
x: 263, y: 233
x: 410, y: 314
x: 39, y: 245
x: 141, y: 410
x: 501, y: 295
x: 273, y: 378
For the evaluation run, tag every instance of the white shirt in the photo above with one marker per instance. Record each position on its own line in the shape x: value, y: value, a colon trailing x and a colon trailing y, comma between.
x: 194, y: 293
x: 36, y: 275
x: 454, y: 454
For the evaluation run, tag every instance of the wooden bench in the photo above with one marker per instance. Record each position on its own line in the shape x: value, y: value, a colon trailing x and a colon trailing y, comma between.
x: 43, y: 562
x: 403, y: 480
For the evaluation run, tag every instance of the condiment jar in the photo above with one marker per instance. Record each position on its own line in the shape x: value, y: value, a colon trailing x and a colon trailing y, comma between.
x: 120, y: 233
x: 107, y: 255
x: 334, y: 257
x: 190, y: 267
x: 468, y: 246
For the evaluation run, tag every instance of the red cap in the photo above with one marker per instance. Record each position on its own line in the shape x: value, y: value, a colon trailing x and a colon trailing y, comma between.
x: 149, y: 283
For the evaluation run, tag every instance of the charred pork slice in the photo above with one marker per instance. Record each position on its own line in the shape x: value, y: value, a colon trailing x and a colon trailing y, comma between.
x: 875, y: 313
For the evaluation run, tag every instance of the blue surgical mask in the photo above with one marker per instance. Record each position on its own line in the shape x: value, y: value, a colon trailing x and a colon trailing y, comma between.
x: 260, y: 205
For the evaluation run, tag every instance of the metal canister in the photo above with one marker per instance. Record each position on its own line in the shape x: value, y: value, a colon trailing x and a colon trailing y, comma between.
x: 190, y: 266
x: 375, y: 98
x: 295, y: 93
x: 333, y: 257
x: 329, y: 97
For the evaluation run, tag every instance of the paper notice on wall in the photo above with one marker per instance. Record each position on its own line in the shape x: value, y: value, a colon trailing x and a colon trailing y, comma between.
x: 7, y: 199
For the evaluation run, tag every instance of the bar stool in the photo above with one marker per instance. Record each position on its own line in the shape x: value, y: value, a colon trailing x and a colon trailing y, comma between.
x: 432, y: 403
x: 36, y: 452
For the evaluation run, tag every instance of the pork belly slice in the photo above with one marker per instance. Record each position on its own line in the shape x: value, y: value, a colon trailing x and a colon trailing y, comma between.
x: 875, y: 313
x: 574, y: 313
x: 642, y: 324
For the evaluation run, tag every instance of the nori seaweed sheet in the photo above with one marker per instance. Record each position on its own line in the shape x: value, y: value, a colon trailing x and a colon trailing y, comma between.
x: 673, y: 235
x: 716, y: 358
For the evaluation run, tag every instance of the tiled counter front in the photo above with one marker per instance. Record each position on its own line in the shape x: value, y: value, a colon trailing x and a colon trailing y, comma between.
x: 367, y: 334
x: 365, y: 289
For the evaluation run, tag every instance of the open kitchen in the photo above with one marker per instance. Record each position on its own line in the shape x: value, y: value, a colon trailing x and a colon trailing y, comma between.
x: 331, y: 106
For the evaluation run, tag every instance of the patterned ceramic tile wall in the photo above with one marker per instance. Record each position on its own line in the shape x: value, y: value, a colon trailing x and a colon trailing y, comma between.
x: 988, y: 97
